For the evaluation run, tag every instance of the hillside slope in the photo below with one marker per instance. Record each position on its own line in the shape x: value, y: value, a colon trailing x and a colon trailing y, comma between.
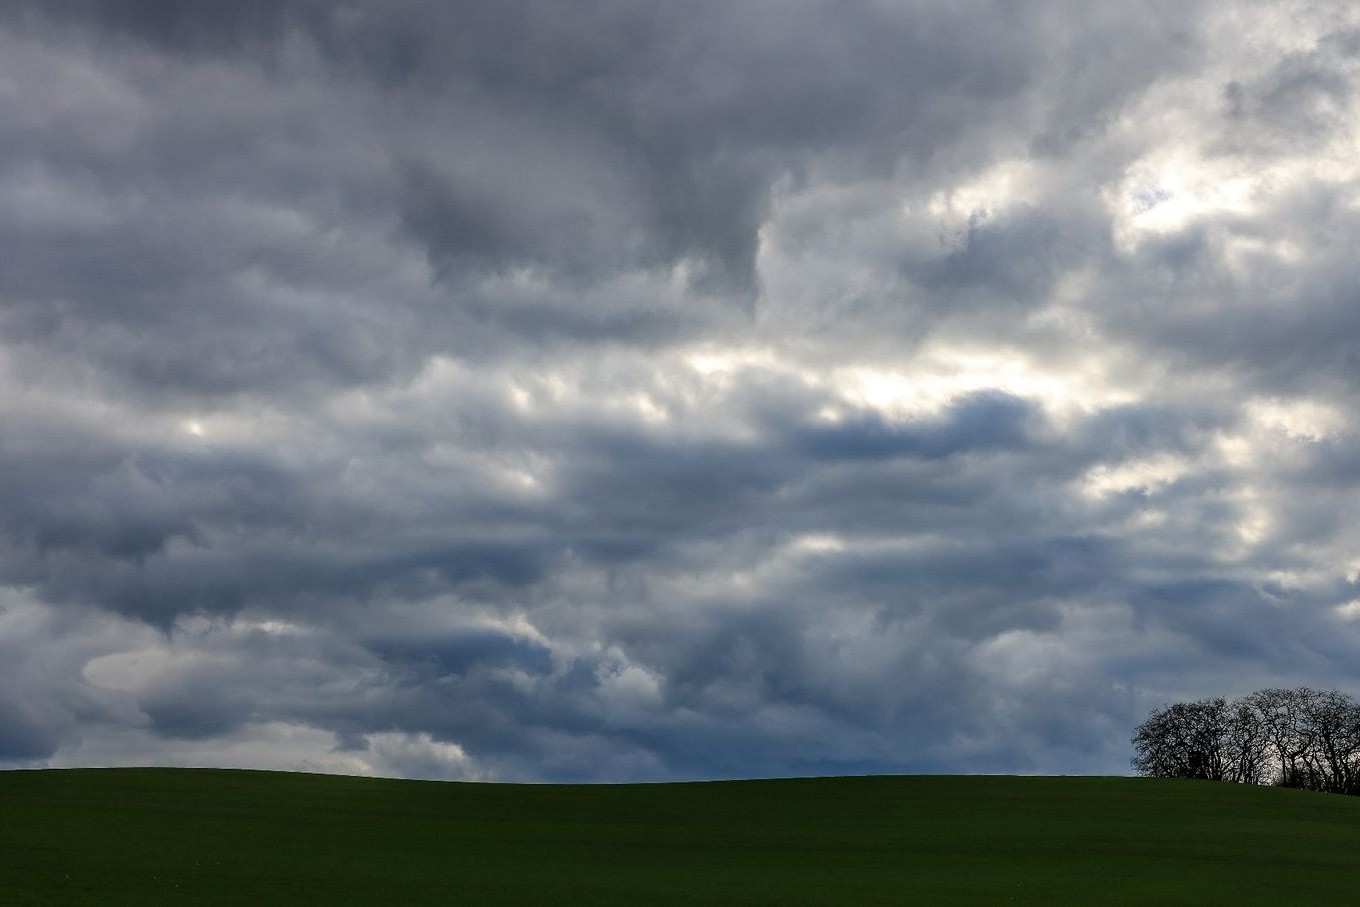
x: 206, y: 836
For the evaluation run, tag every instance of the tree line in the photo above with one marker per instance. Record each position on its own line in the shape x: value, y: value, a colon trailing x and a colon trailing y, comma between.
x: 1301, y: 738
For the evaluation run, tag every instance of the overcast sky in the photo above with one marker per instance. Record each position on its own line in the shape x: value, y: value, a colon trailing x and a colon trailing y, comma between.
x: 607, y: 390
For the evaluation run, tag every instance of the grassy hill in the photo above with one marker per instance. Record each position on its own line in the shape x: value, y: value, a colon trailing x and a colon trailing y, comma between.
x: 183, y: 836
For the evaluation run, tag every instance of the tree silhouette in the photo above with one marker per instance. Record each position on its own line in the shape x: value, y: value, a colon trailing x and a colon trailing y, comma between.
x: 1301, y: 738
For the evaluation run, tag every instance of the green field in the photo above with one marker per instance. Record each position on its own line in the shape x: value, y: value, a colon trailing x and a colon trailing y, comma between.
x: 186, y: 836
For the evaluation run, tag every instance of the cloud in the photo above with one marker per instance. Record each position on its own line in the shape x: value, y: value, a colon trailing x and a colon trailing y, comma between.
x: 637, y: 392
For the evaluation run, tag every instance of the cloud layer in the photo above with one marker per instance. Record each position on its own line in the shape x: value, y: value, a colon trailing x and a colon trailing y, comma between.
x: 668, y: 391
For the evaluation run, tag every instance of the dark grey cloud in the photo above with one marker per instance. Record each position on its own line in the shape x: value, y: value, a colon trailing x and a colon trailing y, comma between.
x: 195, y: 26
x: 644, y: 391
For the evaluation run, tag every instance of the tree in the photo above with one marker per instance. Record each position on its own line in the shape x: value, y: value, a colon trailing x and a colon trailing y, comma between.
x: 1331, y: 720
x: 1280, y: 713
x: 1247, y: 744
x: 1301, y: 738
x: 1187, y: 740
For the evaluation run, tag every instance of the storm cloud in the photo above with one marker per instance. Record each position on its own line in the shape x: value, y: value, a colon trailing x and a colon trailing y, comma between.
x: 605, y: 391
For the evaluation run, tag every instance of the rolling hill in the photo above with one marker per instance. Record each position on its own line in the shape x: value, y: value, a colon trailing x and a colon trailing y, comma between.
x: 196, y: 836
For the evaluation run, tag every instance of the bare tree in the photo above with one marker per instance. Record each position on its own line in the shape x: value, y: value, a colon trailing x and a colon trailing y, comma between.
x: 1247, y: 744
x: 1281, y: 716
x: 1331, y: 720
x: 1302, y: 738
x: 1185, y: 740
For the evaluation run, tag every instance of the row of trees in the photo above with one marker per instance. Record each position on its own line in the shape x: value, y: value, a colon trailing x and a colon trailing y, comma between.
x: 1301, y: 738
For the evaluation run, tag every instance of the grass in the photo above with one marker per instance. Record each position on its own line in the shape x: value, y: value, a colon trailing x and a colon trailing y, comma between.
x: 185, y: 836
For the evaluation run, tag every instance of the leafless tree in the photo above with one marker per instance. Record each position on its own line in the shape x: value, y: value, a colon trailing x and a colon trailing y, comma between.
x: 1185, y: 740
x: 1289, y: 742
x: 1302, y: 738
x: 1331, y: 721
x: 1247, y: 744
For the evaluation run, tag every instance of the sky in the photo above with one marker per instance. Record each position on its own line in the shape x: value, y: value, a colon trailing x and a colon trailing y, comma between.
x: 608, y: 391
